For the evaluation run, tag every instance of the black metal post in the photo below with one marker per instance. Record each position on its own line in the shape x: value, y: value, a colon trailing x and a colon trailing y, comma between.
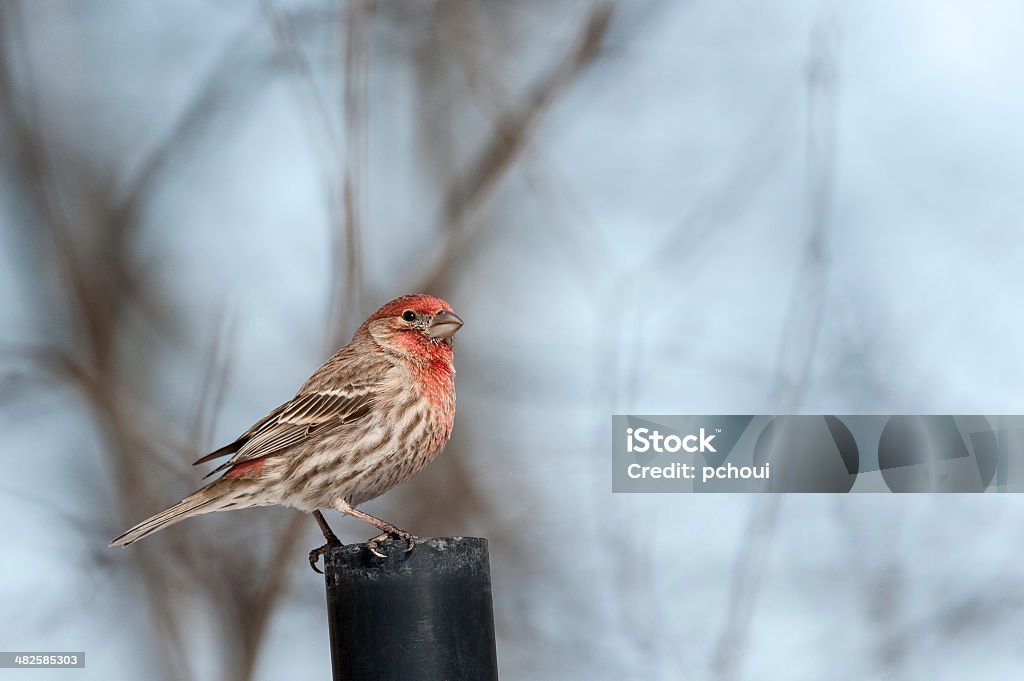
x: 419, y: 616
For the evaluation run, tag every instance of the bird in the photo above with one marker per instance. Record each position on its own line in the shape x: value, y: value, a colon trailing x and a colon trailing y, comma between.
x: 372, y: 416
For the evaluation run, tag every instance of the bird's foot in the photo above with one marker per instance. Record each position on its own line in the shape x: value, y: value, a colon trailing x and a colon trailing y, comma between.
x: 314, y: 555
x: 374, y: 544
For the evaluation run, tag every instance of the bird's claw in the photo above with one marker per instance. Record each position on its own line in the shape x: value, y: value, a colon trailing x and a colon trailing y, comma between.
x: 374, y: 544
x: 314, y: 555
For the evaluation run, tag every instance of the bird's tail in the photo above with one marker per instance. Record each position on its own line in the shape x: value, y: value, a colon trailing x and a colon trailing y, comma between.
x: 193, y: 505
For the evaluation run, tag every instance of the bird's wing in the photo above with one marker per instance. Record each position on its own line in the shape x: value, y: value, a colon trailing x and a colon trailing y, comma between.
x: 299, y: 419
x: 233, y: 447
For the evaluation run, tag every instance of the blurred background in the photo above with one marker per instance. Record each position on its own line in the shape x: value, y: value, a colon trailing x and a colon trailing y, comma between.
x: 637, y: 207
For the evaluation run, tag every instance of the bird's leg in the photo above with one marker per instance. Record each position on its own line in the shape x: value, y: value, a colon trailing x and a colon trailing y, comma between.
x: 388, y: 530
x: 332, y: 541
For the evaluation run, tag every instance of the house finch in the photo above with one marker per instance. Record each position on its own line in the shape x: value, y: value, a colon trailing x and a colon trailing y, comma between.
x: 371, y: 417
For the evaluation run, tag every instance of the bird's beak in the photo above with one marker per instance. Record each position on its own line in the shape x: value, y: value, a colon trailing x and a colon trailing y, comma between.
x: 444, y: 325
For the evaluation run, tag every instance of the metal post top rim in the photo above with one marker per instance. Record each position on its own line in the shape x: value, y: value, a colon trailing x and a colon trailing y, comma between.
x: 447, y: 553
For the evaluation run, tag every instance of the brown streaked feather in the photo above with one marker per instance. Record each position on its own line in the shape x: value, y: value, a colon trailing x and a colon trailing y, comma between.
x: 223, y: 451
x: 299, y: 419
x: 189, y: 506
x: 242, y: 439
x: 330, y: 404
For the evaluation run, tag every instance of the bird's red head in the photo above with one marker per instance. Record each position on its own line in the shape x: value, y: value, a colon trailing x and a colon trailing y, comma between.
x: 418, y: 326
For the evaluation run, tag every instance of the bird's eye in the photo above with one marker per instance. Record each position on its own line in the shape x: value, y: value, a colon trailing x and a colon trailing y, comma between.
x: 409, y: 316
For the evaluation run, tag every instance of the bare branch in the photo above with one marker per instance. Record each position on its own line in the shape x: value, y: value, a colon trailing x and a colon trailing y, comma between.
x: 511, y: 136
